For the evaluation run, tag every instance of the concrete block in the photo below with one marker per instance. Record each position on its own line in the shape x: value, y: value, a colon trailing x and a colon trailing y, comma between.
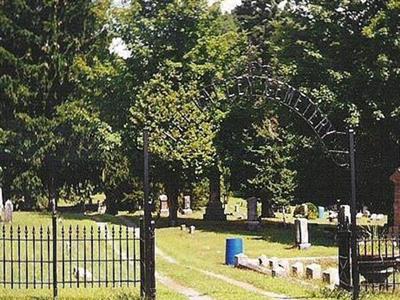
x: 285, y: 265
x: 241, y: 259
x: 313, y: 271
x: 298, y: 269
x: 273, y: 262
x: 330, y: 276
x: 278, y: 271
x: 263, y: 261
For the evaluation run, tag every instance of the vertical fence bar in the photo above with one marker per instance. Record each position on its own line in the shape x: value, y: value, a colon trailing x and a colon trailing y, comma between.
x: 134, y: 256
x: 120, y: 255
x: 19, y: 255
x: 106, y: 250
x: 48, y: 258
x: 77, y: 256
x: 4, y: 254
x: 84, y: 257
x: 34, y: 256
x: 91, y: 253
x: 41, y: 255
x: 113, y: 255
x: 26, y: 258
x: 63, y: 256
x: 99, y: 254
x: 127, y: 256
x: 12, y: 257
x: 70, y: 254
x: 54, y: 223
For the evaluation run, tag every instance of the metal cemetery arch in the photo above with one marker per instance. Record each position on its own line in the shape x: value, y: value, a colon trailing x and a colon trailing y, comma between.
x: 257, y: 82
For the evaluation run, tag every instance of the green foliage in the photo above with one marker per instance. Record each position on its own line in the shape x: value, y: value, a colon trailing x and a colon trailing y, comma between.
x: 48, y: 134
x: 345, y: 55
x: 312, y: 211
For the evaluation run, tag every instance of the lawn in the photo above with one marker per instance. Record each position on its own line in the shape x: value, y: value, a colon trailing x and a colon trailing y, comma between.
x: 195, y: 255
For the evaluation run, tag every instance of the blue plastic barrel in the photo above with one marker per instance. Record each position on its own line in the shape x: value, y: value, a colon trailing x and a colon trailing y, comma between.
x: 234, y: 246
x: 321, y: 212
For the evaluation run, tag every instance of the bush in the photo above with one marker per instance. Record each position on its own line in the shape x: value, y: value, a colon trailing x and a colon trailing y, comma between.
x: 312, y: 213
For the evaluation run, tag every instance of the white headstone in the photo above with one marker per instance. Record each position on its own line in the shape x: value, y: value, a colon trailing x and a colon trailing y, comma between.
x: 164, y: 204
x: 186, y: 205
x: 8, y: 211
x: 301, y: 227
x: 344, y: 214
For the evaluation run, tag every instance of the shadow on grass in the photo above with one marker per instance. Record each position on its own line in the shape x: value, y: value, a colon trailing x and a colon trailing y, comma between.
x: 271, y: 232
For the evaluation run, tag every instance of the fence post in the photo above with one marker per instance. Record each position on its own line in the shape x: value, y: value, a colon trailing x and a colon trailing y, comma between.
x: 142, y: 260
x: 54, y: 229
x: 353, y: 226
x: 149, y: 228
x: 344, y: 237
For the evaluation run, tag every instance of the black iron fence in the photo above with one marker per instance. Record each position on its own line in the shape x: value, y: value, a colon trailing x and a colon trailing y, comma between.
x: 80, y: 256
x: 379, y: 263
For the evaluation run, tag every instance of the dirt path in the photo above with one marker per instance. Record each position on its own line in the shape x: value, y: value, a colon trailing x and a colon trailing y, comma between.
x: 190, y: 293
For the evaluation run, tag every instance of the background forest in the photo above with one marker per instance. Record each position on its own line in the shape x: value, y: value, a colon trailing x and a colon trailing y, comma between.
x: 73, y: 109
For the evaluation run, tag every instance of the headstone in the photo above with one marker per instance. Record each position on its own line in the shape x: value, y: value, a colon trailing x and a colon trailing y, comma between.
x: 183, y: 227
x: 278, y: 272
x: 240, y: 259
x: 364, y: 209
x: 8, y: 211
x: 301, y: 227
x: 298, y: 269
x: 164, y: 204
x: 321, y: 212
x: 332, y: 215
x: 192, y: 229
x: 263, y: 260
x: 330, y: 276
x: 304, y: 209
x: 313, y: 271
x: 252, y: 217
x: 344, y: 215
x: 273, y: 262
x: 285, y: 265
x: 186, y: 205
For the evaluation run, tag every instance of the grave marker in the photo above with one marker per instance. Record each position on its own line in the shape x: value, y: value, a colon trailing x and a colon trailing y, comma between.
x: 301, y: 227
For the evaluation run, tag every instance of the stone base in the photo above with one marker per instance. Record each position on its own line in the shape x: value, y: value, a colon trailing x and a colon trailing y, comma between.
x: 214, y: 212
x: 164, y: 212
x: 187, y: 211
x: 304, y: 246
x: 252, y: 225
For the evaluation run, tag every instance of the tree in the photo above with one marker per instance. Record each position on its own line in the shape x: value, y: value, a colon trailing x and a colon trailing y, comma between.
x: 177, y: 47
x: 50, y: 137
x: 344, y: 55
